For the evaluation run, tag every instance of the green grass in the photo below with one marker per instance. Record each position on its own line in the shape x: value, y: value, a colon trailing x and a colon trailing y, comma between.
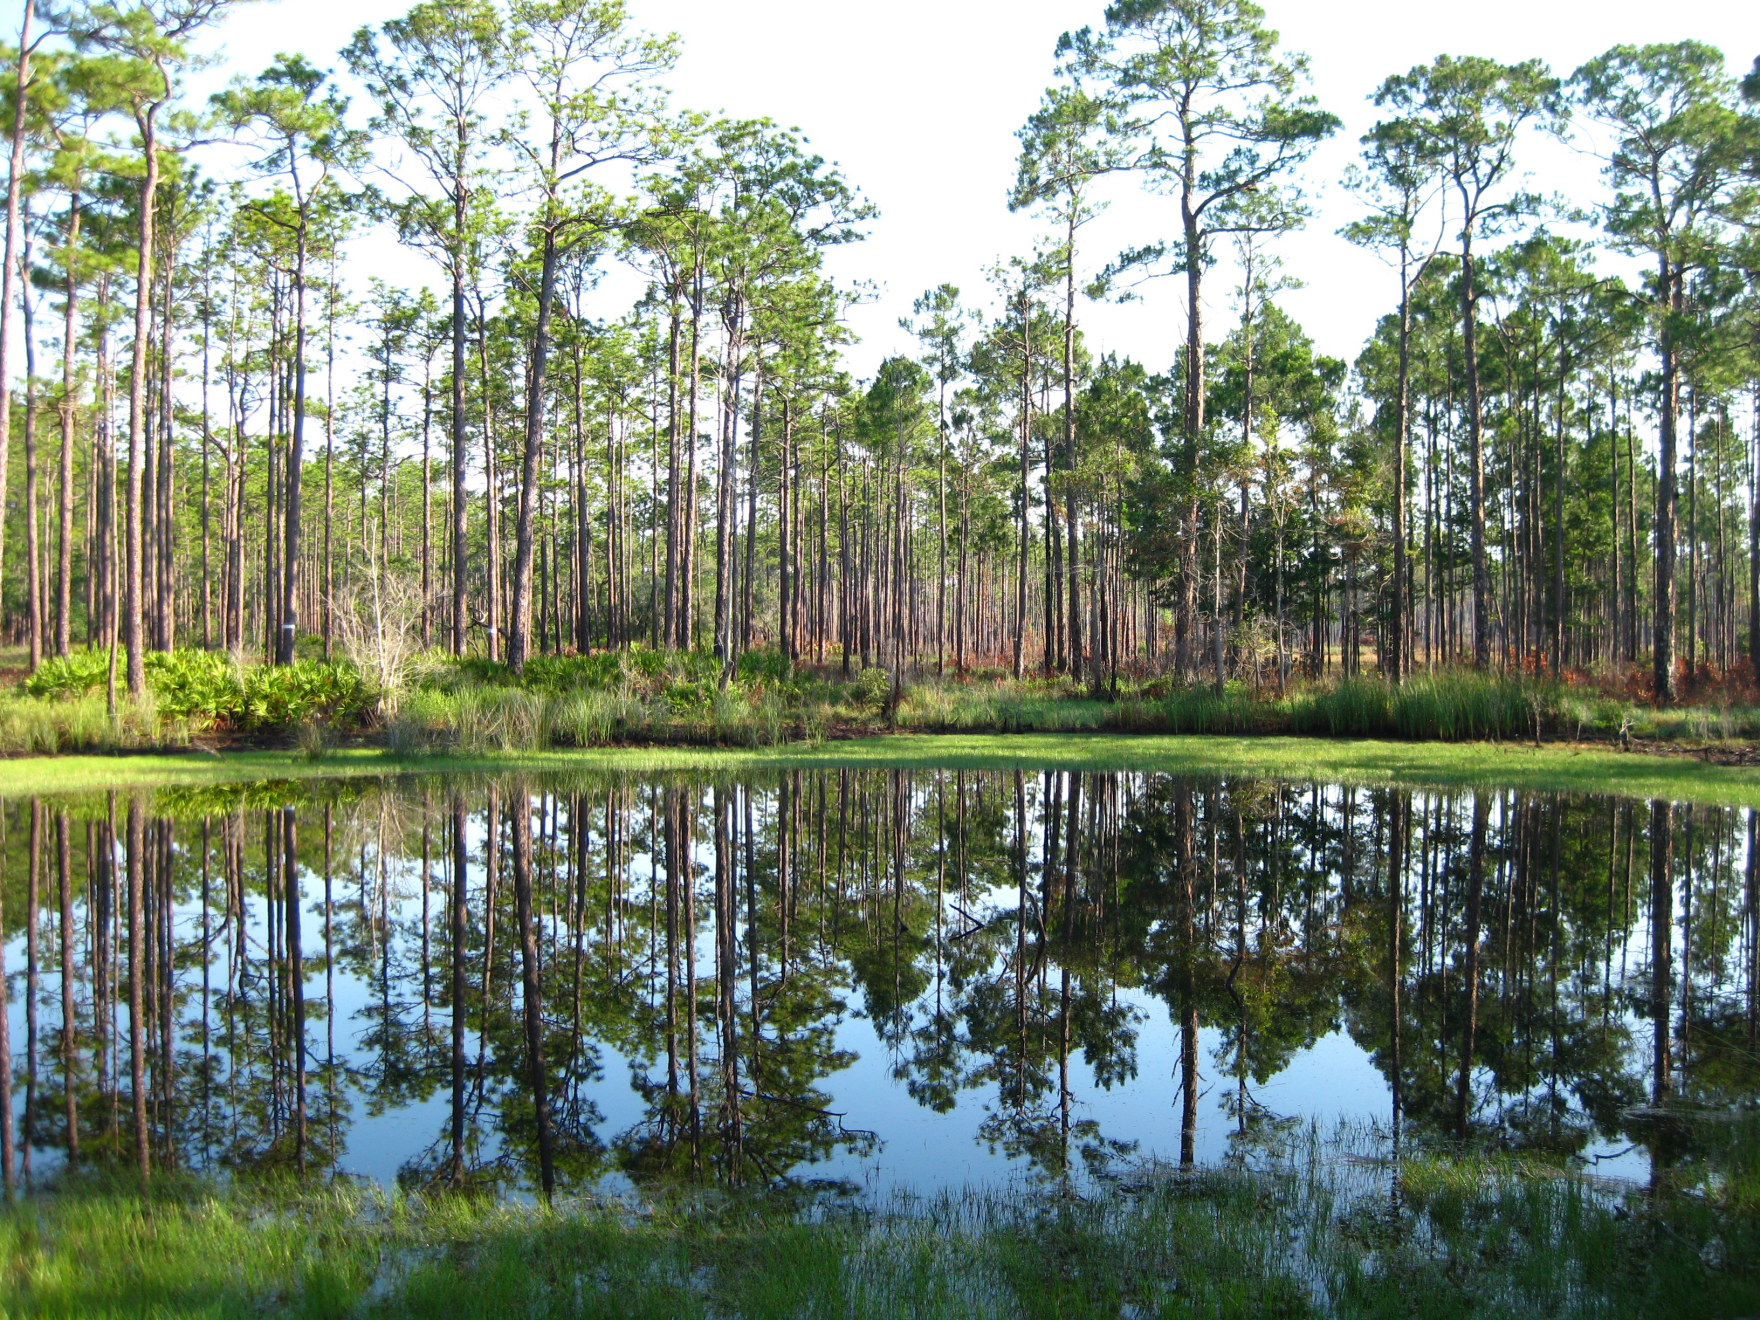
x: 651, y: 711
x: 1353, y: 761
x: 473, y: 707
x: 1312, y: 1231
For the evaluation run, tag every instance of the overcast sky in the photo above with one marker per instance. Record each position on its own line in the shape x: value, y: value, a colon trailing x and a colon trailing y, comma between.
x: 918, y: 101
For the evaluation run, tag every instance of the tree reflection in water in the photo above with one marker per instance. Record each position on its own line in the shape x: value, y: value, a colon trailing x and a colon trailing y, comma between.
x: 264, y: 975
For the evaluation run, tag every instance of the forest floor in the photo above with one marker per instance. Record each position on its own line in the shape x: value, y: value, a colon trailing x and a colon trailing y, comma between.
x: 1680, y: 774
x: 1310, y: 1228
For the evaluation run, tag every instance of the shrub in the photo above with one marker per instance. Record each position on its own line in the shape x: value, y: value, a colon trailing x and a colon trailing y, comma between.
x: 767, y: 664
x: 208, y: 688
x: 205, y: 686
x: 69, y: 675
x: 873, y: 687
x: 276, y: 696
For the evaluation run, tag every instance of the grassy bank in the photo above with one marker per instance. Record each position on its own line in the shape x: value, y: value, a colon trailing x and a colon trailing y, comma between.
x: 1557, y: 767
x: 469, y: 707
x: 639, y: 711
x: 1308, y: 1234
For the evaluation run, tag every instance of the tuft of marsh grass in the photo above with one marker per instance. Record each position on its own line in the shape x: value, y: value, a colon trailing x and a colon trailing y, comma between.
x: 498, y: 719
x: 1452, y: 706
x: 28, y: 724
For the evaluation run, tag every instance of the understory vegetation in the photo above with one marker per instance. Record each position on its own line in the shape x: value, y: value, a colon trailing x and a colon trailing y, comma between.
x: 436, y: 703
x: 1315, y: 1228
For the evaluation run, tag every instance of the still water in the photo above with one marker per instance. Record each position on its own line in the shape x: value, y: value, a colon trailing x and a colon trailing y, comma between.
x: 861, y: 979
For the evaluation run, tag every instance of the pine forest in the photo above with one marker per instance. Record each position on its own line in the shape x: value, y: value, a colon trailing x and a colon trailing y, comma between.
x: 222, y: 434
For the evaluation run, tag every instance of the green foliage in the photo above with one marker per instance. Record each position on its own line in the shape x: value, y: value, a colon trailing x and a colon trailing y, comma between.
x: 873, y: 687
x: 77, y: 724
x: 283, y: 695
x: 499, y: 718
x: 766, y: 665
x: 71, y: 675
x: 207, y: 689
x: 600, y: 671
x: 1453, y: 706
x: 1456, y: 706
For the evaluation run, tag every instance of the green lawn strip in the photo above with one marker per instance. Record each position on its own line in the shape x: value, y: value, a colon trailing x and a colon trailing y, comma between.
x: 1564, y: 767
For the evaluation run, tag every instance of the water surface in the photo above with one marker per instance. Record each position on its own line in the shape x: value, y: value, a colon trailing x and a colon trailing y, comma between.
x: 861, y: 978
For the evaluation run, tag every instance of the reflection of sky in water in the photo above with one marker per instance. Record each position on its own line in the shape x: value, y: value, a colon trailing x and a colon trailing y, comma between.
x: 1329, y: 1081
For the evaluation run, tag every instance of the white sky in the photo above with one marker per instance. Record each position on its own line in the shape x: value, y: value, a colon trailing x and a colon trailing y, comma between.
x: 918, y: 102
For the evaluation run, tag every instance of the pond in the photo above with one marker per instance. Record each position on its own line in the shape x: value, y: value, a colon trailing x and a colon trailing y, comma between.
x: 862, y: 979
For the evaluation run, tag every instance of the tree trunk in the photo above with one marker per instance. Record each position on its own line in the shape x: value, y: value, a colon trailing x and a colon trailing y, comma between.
x: 669, y: 629
x: 33, y: 580
x: 1476, y: 456
x: 1399, y: 662
x: 536, y: 377
x: 296, y: 457
x: 460, y: 506
x: 14, y: 189
x: 69, y: 414
x: 146, y: 120
x: 1663, y: 684
x: 1470, y: 940
x: 1661, y: 945
x: 137, y: 972
x: 530, y: 990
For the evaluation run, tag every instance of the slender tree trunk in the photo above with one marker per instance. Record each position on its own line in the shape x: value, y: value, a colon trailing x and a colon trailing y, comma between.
x: 1753, y: 534
x: 1663, y: 683
x: 69, y: 417
x: 1020, y: 618
x: 1193, y: 410
x: 1070, y: 458
x: 1470, y: 940
x: 537, y: 377
x: 1558, y: 539
x: 69, y: 1023
x: 290, y: 575
x: 1183, y: 828
x: 460, y: 989
x: 33, y: 579
x: 1399, y: 662
x: 460, y: 504
x: 1476, y: 455
x: 137, y: 973
x: 296, y: 979
x: 687, y: 586
x: 530, y: 990
x: 14, y: 190
x: 1661, y: 946
x: 669, y: 630
x: 726, y: 467
x: 146, y: 120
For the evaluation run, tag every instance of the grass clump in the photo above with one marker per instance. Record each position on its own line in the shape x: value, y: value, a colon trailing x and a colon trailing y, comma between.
x: 1452, y: 706
x: 503, y: 718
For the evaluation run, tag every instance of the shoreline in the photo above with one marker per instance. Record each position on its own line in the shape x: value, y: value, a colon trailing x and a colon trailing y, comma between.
x: 1561, y: 767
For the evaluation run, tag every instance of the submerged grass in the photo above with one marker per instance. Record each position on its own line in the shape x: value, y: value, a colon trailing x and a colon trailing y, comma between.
x: 1310, y: 1232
